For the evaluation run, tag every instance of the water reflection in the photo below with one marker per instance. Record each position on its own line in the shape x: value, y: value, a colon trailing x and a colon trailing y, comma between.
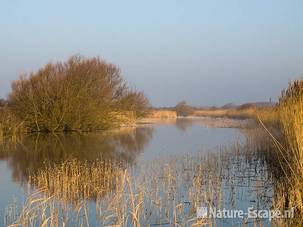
x: 37, y: 151
x: 183, y: 124
x: 187, y: 163
x: 230, y: 179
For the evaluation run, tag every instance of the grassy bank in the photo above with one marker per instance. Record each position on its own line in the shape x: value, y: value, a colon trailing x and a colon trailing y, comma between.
x: 268, y: 114
x: 159, y: 115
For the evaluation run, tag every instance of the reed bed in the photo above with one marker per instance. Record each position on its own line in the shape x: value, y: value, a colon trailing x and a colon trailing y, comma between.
x: 163, y: 192
x: 285, y: 154
x: 291, y: 147
x: 260, y: 146
x: 246, y: 111
x: 75, y: 180
x: 282, y: 148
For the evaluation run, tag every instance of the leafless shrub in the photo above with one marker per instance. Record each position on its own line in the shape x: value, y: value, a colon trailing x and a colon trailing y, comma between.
x: 79, y: 94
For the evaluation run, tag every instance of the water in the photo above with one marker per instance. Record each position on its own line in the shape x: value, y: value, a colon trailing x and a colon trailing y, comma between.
x: 243, y: 180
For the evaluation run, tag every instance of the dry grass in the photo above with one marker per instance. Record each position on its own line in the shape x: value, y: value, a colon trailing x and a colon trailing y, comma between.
x: 154, y: 194
x: 210, y: 112
x: 268, y: 114
x: 211, y: 122
x: 164, y: 192
x: 291, y: 148
x: 163, y: 116
x: 285, y: 154
x: 284, y: 186
x: 125, y: 198
x: 74, y: 180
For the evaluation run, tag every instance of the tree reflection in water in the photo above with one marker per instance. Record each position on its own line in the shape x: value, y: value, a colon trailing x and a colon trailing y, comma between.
x: 35, y: 152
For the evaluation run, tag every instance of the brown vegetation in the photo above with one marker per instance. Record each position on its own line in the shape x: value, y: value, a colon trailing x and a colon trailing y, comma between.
x: 240, y: 112
x: 10, y: 126
x: 79, y: 180
x: 80, y: 94
x: 155, y: 194
x: 160, y: 115
x: 290, y: 154
x: 285, y: 154
x: 183, y: 109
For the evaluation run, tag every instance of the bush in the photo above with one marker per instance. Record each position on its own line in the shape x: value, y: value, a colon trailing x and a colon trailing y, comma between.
x: 3, y: 103
x: 10, y: 126
x: 183, y: 109
x: 80, y: 94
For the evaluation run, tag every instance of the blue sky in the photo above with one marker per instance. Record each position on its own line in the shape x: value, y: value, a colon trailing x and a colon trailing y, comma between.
x: 206, y: 52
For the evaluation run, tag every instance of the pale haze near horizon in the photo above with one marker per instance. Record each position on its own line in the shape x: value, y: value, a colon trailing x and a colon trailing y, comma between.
x: 205, y: 52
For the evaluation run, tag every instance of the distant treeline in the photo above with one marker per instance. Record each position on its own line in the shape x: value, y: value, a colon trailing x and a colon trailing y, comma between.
x: 79, y: 94
x: 247, y: 110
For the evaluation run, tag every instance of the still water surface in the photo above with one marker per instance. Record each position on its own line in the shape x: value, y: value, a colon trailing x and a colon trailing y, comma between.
x: 134, y: 147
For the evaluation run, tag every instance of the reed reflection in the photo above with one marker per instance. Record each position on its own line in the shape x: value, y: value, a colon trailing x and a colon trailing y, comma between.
x: 35, y: 152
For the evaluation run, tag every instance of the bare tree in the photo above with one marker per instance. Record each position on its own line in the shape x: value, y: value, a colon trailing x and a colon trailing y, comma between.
x: 80, y: 94
x: 183, y: 109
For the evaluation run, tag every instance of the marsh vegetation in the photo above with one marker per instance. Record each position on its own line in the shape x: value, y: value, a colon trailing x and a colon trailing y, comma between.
x: 163, y: 192
x: 102, y: 181
x: 74, y: 172
x: 79, y: 94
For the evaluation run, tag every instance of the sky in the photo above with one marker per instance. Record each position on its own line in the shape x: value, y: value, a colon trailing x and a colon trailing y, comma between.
x: 205, y: 52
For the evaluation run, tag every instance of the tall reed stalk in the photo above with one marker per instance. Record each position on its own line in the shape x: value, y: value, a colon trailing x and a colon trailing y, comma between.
x: 163, y: 192
x: 291, y: 122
